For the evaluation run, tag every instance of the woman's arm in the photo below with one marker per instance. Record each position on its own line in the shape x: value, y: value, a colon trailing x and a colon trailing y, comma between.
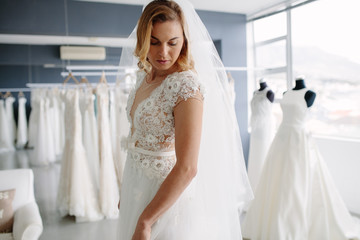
x: 188, y: 125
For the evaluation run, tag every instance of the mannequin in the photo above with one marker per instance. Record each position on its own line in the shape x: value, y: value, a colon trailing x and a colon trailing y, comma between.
x: 270, y: 94
x: 309, y: 95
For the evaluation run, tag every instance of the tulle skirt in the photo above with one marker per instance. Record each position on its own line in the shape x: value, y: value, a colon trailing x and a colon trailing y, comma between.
x: 296, y: 197
x: 187, y: 219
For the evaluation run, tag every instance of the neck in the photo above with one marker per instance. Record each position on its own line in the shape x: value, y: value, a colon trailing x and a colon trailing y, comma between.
x: 299, y: 84
x: 263, y: 85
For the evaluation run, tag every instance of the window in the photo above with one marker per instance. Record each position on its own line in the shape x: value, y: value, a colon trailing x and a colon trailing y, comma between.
x: 269, y: 58
x: 325, y: 48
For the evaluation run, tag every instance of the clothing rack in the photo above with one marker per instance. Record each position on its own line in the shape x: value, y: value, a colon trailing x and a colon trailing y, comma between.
x: 15, y: 89
x: 64, y: 74
x: 132, y: 69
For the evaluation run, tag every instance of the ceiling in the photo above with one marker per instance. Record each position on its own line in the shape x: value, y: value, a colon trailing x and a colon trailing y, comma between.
x: 247, y: 7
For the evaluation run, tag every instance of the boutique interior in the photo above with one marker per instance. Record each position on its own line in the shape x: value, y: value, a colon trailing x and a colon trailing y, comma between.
x: 269, y: 48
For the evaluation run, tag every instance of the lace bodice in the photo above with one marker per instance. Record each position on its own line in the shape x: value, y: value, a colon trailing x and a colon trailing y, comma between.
x: 152, y: 123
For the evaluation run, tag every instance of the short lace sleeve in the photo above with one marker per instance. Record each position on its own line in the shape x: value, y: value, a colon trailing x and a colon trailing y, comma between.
x: 182, y: 86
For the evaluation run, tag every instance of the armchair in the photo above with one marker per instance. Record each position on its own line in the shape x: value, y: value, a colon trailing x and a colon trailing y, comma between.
x: 27, y: 220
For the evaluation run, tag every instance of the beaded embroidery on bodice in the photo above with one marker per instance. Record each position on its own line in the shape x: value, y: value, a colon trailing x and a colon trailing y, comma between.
x: 152, y: 123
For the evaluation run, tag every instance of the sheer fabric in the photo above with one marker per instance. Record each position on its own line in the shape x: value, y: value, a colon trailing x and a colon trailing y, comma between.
x: 122, y: 131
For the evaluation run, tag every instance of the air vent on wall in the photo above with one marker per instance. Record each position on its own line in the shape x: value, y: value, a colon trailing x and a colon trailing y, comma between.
x: 82, y: 53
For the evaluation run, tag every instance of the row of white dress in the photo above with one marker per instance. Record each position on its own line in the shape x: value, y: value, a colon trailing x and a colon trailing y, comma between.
x: 83, y: 131
x: 91, y: 168
x: 295, y: 196
x: 11, y: 135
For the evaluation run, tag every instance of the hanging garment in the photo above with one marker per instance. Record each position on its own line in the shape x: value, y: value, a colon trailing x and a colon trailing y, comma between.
x: 49, y: 127
x: 112, y: 118
x: 5, y: 138
x: 56, y: 121
x: 296, y: 197
x: 22, y: 132
x: 108, y: 188
x: 61, y: 107
x: 76, y: 193
x: 9, y: 102
x: 90, y: 134
x: 262, y: 132
x: 35, y: 98
x: 41, y: 136
x: 123, y: 129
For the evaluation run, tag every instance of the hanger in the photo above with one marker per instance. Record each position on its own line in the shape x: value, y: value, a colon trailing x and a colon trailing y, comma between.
x: 230, y: 78
x: 86, y: 82
x: 21, y: 94
x: 7, y: 94
x: 72, y: 77
x: 103, y: 78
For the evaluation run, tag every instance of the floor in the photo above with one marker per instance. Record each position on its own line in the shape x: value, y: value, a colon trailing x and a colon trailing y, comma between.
x: 45, y: 187
x: 46, y: 180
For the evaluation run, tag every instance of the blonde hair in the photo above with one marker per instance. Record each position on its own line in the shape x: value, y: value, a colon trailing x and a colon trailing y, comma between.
x: 161, y: 11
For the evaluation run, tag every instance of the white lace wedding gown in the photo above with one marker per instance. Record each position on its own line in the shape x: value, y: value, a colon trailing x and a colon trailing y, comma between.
x: 22, y: 137
x: 296, y: 198
x: 6, y: 143
x: 151, y: 157
x: 90, y: 134
x: 108, y: 187
x: 76, y: 192
x: 122, y: 131
x: 262, y: 133
x: 9, y: 106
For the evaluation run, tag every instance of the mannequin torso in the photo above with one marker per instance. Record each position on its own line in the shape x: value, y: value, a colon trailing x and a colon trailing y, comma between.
x: 309, y: 95
x: 270, y: 94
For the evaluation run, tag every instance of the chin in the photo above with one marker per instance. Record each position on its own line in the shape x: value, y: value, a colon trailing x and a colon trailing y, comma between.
x: 162, y: 67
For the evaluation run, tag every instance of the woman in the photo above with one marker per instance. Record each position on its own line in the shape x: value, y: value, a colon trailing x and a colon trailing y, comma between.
x: 172, y: 187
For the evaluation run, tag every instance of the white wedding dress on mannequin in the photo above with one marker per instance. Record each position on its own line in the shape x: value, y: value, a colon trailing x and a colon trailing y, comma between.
x: 262, y: 132
x: 296, y: 197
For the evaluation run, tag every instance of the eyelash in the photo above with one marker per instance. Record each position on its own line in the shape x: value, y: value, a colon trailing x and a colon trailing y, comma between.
x: 156, y: 43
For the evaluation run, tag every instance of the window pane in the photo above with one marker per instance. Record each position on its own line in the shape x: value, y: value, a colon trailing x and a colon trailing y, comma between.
x: 271, y: 55
x: 326, y: 50
x: 270, y: 27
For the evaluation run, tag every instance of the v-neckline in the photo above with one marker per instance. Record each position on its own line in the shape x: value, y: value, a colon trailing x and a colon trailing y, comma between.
x: 132, y: 118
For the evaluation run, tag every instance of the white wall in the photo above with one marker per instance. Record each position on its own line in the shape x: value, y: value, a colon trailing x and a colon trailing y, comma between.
x: 342, y: 157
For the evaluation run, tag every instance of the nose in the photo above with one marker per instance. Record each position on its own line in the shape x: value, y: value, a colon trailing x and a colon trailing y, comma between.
x: 163, y: 50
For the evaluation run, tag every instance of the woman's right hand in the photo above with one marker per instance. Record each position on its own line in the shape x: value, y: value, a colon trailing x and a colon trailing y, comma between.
x: 142, y: 232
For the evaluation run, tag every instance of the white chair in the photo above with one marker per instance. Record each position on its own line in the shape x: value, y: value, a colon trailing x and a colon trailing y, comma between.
x: 27, y: 220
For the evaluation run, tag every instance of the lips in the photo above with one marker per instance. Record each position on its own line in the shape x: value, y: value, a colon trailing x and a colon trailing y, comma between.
x: 162, y: 61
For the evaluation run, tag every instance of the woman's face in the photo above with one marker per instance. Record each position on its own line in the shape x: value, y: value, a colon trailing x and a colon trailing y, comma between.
x: 165, y: 45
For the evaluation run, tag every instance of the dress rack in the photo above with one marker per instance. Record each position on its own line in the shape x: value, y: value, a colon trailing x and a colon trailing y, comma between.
x: 15, y: 89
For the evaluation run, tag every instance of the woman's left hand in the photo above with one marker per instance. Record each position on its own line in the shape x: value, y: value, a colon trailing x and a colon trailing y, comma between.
x: 142, y: 232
